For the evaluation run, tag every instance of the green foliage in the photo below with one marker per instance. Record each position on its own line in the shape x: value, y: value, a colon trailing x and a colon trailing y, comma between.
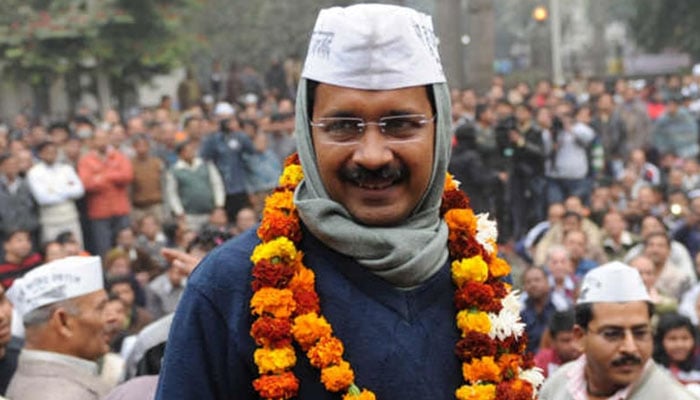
x: 129, y: 39
x: 659, y: 24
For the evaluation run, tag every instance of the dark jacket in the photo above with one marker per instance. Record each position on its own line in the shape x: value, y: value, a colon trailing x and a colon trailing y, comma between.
x: 468, y: 167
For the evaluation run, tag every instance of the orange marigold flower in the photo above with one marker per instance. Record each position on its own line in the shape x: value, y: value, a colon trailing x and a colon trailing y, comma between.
x: 476, y: 392
x: 364, y: 395
x: 269, y: 274
x: 275, y: 302
x: 461, y: 220
x: 272, y: 332
x: 274, y: 361
x: 509, y: 365
x: 326, y: 352
x: 303, y: 280
x: 337, y: 377
x: 307, y: 302
x: 499, y: 267
x: 282, y: 201
x: 473, y: 321
x: 516, y: 389
x: 291, y: 176
x: 292, y: 159
x: 283, y: 386
x: 276, y: 223
x: 473, y: 269
x: 482, y: 369
x: 276, y: 250
x: 309, y: 328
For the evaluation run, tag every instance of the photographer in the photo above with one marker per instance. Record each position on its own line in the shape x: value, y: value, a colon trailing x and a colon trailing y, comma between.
x: 567, y: 145
x: 525, y: 149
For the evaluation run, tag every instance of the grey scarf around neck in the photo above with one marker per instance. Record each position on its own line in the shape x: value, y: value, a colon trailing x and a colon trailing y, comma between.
x: 405, y: 255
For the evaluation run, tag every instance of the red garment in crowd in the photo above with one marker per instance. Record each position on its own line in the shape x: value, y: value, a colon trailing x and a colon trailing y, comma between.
x: 654, y: 110
x: 106, y: 181
x: 9, y: 271
x: 548, y: 360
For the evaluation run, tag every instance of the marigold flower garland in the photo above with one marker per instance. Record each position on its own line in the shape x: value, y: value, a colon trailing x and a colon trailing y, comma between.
x: 287, y: 309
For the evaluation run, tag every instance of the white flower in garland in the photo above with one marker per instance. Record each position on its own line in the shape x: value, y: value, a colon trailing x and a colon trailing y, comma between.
x: 486, y: 232
x: 511, y: 302
x: 505, y: 324
x: 534, y: 376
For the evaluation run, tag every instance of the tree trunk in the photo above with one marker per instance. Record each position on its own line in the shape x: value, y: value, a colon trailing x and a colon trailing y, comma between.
x: 482, y: 44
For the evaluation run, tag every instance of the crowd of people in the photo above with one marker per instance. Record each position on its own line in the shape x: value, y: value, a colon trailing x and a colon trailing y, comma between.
x: 577, y: 176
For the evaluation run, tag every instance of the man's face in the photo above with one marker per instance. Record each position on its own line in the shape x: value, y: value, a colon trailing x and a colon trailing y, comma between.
x: 575, y: 242
x: 657, y: 249
x: 560, y: 265
x: 90, y: 335
x: 535, y: 284
x: 124, y: 291
x: 378, y: 181
x: 48, y: 154
x: 617, y: 344
x: 564, y: 344
x: 125, y: 238
x: 19, y: 245
x: 115, y: 317
x: 10, y: 167
x: 646, y: 271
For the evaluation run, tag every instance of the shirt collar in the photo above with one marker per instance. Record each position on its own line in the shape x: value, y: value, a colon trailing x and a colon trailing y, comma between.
x: 75, y: 362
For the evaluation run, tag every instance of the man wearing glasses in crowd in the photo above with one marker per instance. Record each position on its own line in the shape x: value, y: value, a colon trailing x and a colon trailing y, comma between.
x: 613, y: 327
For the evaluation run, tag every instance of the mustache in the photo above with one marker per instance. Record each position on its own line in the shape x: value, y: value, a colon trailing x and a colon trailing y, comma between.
x: 627, y: 359
x: 361, y: 174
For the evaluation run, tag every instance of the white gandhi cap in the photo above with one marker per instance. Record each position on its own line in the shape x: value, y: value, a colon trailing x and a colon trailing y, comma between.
x: 56, y: 281
x: 613, y: 282
x: 373, y: 47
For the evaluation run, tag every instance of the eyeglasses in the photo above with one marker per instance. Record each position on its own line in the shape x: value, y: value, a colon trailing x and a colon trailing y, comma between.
x: 396, y: 128
x: 618, y: 335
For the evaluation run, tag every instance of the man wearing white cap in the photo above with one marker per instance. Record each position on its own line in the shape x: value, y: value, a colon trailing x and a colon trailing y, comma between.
x: 371, y: 300
x: 61, y: 304
x: 613, y: 327
x: 225, y: 149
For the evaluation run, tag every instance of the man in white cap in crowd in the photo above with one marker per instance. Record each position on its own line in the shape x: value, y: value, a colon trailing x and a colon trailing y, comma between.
x: 613, y: 328
x: 373, y: 136
x: 61, y: 304
x: 225, y: 149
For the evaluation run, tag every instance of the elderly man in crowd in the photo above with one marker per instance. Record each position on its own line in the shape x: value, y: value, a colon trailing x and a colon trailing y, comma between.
x: 613, y: 327
x: 61, y: 304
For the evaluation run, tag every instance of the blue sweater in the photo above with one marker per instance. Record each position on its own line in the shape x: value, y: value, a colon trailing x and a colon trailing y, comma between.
x: 400, y: 343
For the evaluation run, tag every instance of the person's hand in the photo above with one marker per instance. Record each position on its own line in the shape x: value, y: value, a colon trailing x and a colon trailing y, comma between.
x: 180, y: 259
x: 503, y: 176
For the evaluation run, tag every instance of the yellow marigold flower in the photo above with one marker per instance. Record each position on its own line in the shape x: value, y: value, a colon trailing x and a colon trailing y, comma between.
x: 303, y: 280
x: 473, y: 321
x: 499, y: 267
x: 461, y: 219
x: 477, y: 392
x: 326, y: 352
x: 280, y: 247
x: 473, y: 269
x: 276, y: 302
x: 280, y: 201
x: 364, y: 395
x: 291, y: 176
x: 338, y: 377
x: 482, y: 369
x: 274, y: 361
x: 309, y: 328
